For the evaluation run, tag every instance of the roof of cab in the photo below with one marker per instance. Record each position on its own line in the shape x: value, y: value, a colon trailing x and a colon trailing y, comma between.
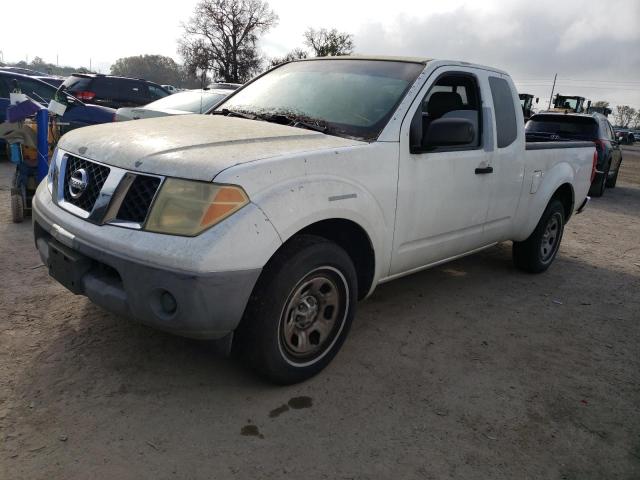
x: 418, y: 60
x: 383, y: 58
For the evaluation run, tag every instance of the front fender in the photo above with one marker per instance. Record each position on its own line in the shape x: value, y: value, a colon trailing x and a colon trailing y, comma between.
x: 297, y: 203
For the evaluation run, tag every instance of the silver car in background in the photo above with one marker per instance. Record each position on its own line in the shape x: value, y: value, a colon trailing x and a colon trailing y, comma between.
x: 181, y: 103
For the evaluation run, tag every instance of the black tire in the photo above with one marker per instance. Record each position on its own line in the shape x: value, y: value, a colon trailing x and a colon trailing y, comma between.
x: 17, y: 208
x: 611, y: 181
x: 300, y: 311
x: 530, y: 255
x: 599, y: 183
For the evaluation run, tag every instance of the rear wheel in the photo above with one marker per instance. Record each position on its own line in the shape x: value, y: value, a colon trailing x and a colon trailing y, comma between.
x: 17, y: 208
x: 300, y: 311
x: 611, y: 181
x: 538, y: 251
x: 599, y: 183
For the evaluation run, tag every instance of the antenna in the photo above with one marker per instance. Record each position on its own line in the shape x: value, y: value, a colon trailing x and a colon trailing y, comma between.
x: 552, y: 89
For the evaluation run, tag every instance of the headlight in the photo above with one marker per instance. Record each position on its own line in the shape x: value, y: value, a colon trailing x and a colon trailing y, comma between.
x: 186, y: 207
x: 52, y: 176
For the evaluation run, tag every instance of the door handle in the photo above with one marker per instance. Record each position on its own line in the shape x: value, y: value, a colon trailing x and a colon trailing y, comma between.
x: 483, y: 170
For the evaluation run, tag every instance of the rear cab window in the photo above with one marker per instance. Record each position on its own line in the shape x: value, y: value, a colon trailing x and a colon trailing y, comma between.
x: 505, y: 111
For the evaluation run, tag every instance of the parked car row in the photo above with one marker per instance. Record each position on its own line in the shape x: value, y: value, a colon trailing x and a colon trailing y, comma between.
x: 78, y: 113
x: 626, y: 136
x: 94, y: 98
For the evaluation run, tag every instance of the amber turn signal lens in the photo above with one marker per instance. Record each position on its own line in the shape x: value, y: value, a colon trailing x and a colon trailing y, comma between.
x: 186, y: 207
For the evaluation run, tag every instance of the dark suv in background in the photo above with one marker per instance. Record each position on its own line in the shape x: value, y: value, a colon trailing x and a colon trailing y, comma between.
x: 112, y: 91
x: 594, y: 127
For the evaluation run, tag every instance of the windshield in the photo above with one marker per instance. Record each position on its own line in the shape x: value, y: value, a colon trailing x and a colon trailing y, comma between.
x: 566, y: 102
x: 563, y: 125
x: 352, y: 98
x: 194, y: 102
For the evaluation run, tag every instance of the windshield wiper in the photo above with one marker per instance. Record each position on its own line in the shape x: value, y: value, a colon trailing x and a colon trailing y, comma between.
x: 235, y: 113
x: 310, y: 126
x: 296, y: 121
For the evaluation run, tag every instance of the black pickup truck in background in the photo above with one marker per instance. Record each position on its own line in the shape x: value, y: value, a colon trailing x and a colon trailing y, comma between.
x: 593, y: 127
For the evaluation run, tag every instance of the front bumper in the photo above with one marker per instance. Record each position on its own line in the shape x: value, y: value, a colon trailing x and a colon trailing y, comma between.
x: 191, y: 304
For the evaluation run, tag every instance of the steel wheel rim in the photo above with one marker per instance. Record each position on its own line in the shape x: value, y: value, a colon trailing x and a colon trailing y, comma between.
x: 313, y: 316
x: 551, y: 237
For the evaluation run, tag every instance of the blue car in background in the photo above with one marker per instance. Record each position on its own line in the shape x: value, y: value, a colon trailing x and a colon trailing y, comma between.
x: 78, y: 114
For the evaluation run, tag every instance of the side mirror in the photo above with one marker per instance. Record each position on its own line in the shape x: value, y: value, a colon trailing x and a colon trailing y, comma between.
x: 446, y: 132
x: 537, y: 99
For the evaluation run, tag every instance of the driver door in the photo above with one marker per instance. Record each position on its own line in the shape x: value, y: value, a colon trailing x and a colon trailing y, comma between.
x: 443, y: 191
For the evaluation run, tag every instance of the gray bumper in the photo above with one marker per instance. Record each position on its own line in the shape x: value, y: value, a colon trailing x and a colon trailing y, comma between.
x: 207, y: 306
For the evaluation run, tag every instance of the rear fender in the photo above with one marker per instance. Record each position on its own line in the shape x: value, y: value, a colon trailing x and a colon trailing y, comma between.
x: 552, y: 179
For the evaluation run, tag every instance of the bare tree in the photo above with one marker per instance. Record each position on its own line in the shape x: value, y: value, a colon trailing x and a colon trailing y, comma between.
x: 295, y: 54
x: 325, y: 42
x: 600, y: 104
x: 222, y: 35
x: 623, y: 114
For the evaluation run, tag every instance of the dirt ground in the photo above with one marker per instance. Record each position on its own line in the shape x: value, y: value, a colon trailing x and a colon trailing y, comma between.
x: 471, y: 370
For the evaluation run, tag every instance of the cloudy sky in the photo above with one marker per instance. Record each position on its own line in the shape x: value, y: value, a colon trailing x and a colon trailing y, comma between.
x: 593, y: 45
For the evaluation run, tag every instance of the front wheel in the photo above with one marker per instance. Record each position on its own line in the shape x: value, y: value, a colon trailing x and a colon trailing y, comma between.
x: 538, y: 251
x: 300, y: 311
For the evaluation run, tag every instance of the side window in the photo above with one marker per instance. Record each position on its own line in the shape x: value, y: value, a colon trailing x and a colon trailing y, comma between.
x: 156, y: 92
x: 505, y: 111
x: 132, y: 90
x: 454, y: 96
x: 105, y: 88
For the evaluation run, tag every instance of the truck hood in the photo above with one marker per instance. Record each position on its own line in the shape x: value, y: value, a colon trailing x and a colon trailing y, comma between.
x: 197, y: 147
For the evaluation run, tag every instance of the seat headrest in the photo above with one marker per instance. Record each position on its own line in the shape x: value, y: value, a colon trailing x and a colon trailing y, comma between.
x: 443, y: 102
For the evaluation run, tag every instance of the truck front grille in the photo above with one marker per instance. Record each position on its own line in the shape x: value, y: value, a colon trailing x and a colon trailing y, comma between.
x: 96, y: 175
x: 137, y: 202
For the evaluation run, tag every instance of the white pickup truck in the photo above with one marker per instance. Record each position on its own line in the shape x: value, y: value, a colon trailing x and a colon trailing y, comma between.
x: 265, y: 221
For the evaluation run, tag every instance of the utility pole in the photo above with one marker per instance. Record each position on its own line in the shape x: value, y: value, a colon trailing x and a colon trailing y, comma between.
x: 57, y: 62
x: 89, y: 64
x: 552, y: 89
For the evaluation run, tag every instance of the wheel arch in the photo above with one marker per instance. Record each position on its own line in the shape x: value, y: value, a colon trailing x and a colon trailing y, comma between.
x: 566, y: 195
x: 354, y: 239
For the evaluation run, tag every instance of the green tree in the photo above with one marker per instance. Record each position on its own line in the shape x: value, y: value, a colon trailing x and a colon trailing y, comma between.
x: 325, y: 42
x: 222, y: 37
x: 156, y: 68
